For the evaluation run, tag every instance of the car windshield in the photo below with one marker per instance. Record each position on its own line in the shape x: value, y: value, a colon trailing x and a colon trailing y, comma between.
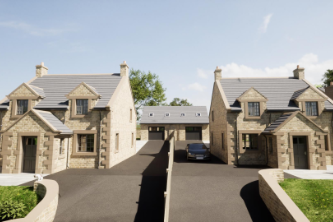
x: 196, y: 146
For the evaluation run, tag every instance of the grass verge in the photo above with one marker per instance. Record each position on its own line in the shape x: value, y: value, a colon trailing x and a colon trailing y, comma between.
x: 313, y: 197
x: 22, y: 194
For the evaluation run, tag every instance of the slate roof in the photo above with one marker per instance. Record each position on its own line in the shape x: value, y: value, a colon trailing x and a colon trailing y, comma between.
x: 278, y: 91
x: 54, y: 121
x: 174, y: 118
x: 277, y: 123
x: 38, y: 90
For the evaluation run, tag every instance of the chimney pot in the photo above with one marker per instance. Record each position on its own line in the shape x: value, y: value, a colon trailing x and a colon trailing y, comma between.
x: 299, y: 73
x: 124, y: 69
x: 218, y: 73
x: 41, y: 70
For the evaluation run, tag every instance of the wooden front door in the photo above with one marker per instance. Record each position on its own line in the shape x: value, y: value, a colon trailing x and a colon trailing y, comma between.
x: 29, y: 154
x: 300, y: 152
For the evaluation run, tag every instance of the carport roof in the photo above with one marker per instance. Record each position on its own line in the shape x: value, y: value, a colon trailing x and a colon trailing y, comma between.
x: 175, y: 115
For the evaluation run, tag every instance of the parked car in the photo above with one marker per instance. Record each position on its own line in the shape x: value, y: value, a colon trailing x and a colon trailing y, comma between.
x: 197, y: 151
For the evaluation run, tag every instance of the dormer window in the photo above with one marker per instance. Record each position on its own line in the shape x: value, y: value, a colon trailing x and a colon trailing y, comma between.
x: 81, y: 106
x: 167, y: 114
x: 182, y: 114
x: 197, y: 114
x: 311, y: 108
x: 22, y: 107
x: 151, y: 114
x: 254, y: 109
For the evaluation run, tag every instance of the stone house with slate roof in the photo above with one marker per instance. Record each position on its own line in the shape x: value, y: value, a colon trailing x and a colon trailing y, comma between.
x: 54, y: 122
x: 280, y: 122
x: 187, y: 123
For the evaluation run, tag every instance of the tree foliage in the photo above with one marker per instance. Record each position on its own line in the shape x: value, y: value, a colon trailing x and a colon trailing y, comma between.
x: 180, y: 102
x: 328, y: 77
x: 147, y: 89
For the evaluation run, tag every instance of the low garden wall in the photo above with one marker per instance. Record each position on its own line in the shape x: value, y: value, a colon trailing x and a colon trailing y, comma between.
x: 46, y: 209
x: 277, y: 201
x: 167, y: 193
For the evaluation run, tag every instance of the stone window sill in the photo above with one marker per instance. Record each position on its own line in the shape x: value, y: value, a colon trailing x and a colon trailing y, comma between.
x: 77, y: 154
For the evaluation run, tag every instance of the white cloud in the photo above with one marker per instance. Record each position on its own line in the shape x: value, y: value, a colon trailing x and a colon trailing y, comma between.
x: 202, y: 74
x: 314, y: 69
x: 34, y: 30
x: 195, y: 86
x: 265, y: 23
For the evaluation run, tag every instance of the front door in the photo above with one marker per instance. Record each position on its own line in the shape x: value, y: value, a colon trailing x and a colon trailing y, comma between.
x: 300, y: 152
x: 29, y: 154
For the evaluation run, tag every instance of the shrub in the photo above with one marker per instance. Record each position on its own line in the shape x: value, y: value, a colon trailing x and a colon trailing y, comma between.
x: 10, y: 209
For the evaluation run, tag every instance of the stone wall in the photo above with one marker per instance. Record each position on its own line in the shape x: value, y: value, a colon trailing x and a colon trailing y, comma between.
x: 277, y: 201
x: 178, y: 129
x: 121, y: 124
x: 218, y: 127
x: 46, y: 209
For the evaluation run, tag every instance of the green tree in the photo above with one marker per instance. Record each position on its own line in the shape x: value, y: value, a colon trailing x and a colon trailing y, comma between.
x: 147, y: 89
x: 319, y: 86
x: 328, y: 77
x: 180, y: 102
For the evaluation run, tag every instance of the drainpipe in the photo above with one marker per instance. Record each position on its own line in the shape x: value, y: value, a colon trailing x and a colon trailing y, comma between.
x: 100, y: 139
x: 266, y: 149
x: 236, y: 148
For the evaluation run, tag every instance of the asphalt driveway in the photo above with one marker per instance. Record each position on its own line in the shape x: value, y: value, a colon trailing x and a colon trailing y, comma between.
x: 214, y: 191
x: 131, y: 191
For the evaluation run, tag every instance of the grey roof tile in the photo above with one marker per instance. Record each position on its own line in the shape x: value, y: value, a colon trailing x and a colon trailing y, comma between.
x: 175, y: 115
x: 38, y: 90
x: 55, y: 122
x: 277, y: 123
x: 278, y: 91
x: 57, y: 86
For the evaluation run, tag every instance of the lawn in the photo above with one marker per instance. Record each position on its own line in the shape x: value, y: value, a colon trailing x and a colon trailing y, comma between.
x: 21, y: 194
x: 313, y: 197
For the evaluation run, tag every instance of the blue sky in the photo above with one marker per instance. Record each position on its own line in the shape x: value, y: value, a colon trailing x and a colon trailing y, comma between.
x: 181, y: 41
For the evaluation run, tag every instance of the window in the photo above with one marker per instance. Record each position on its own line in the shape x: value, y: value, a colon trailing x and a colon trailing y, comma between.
x: 22, y: 107
x: 131, y: 115
x: 311, y: 108
x: 250, y: 141
x: 61, y: 146
x: 81, y: 106
x: 86, y: 143
x: 132, y: 140
x: 213, y: 116
x: 151, y: 114
x: 270, y: 144
x: 327, y: 148
x: 167, y: 114
x: 193, y: 129
x: 117, y: 142
x: 156, y: 129
x: 222, y: 144
x: 254, y: 108
x: 182, y: 114
x: 198, y: 114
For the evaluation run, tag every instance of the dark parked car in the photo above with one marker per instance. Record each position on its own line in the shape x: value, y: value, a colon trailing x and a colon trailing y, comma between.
x: 197, y: 151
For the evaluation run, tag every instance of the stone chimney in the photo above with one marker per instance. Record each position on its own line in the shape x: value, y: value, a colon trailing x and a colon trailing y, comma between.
x: 218, y: 73
x: 299, y: 73
x: 329, y: 90
x: 124, y: 69
x: 41, y: 70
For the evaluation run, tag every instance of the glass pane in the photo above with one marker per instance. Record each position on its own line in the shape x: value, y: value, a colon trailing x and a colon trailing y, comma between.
x: 161, y: 129
x: 308, y: 109
x: 314, y: 108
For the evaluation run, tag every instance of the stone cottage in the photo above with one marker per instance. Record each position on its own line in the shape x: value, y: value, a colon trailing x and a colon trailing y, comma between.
x: 280, y: 122
x: 187, y: 123
x: 54, y: 122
